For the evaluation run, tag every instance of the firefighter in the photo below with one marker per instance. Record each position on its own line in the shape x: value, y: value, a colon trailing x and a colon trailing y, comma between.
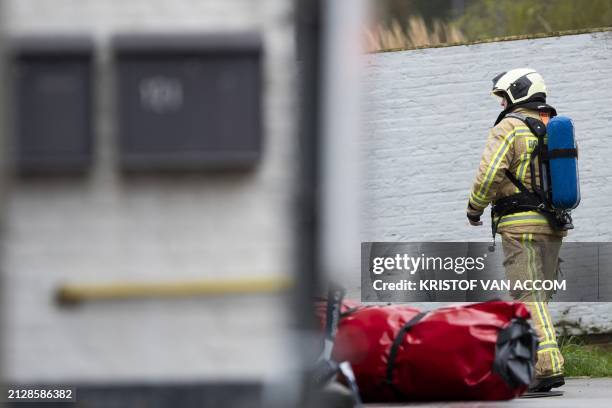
x: 530, y: 240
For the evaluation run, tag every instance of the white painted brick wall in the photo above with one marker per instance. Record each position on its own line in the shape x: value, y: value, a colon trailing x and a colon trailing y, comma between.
x: 427, y: 116
x: 106, y: 227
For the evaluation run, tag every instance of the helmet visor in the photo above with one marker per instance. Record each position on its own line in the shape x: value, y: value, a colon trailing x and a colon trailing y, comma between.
x: 499, y: 96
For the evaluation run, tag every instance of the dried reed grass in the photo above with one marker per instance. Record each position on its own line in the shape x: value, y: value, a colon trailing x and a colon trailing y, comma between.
x: 413, y: 34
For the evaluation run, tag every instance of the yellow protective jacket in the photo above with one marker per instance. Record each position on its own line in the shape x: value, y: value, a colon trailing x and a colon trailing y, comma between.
x: 509, y: 146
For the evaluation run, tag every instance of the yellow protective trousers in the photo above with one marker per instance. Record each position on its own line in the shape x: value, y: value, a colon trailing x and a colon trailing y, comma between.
x: 536, y: 257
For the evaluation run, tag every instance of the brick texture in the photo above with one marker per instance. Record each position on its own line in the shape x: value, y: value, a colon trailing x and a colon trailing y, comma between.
x: 426, y: 118
x: 108, y: 227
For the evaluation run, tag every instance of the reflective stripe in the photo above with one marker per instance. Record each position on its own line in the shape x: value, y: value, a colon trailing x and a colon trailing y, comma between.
x: 477, y: 201
x: 558, y: 356
x: 531, y: 268
x: 548, y: 347
x: 540, y: 307
x: 555, y: 358
x: 526, y: 217
x: 522, y: 170
x: 525, y: 159
x: 525, y: 213
x: 494, y: 164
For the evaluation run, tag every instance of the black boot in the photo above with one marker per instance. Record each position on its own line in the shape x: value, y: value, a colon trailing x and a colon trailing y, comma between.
x: 545, y: 384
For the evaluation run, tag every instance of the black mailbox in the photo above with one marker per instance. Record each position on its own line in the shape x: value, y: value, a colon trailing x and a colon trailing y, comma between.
x: 189, y: 101
x: 52, y: 103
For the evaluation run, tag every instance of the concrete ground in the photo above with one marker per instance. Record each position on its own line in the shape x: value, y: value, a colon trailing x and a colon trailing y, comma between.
x: 579, y: 392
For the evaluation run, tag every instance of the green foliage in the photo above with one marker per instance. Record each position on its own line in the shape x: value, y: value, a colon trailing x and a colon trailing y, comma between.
x: 494, y: 18
x: 479, y: 19
x: 586, y: 360
x: 402, y: 10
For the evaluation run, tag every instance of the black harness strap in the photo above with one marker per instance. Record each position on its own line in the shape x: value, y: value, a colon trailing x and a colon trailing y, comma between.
x: 518, y: 183
x: 561, y: 154
x: 538, y: 128
x: 532, y: 166
x: 396, y: 344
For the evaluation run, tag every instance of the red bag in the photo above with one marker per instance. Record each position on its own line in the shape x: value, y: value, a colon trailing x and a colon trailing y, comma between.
x: 482, y: 351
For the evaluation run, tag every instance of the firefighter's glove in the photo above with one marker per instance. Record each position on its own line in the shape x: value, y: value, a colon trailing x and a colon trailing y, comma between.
x: 473, y: 216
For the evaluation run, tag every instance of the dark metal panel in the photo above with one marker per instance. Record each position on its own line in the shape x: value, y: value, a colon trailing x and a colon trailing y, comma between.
x: 52, y: 104
x: 185, y: 104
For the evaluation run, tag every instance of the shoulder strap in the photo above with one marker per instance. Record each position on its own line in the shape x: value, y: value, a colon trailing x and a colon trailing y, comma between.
x: 538, y: 128
x: 518, y: 183
x: 517, y: 115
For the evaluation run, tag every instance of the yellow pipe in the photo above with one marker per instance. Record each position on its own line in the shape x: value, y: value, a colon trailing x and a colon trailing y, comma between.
x: 70, y: 294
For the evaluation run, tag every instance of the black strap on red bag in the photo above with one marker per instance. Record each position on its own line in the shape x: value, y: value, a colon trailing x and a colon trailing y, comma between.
x: 399, y: 338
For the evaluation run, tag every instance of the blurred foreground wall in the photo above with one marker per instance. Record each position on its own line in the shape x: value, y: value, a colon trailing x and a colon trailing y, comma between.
x: 107, y: 226
x: 426, y: 124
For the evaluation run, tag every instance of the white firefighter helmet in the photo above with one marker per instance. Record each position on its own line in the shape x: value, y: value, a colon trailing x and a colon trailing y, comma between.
x: 519, y: 85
